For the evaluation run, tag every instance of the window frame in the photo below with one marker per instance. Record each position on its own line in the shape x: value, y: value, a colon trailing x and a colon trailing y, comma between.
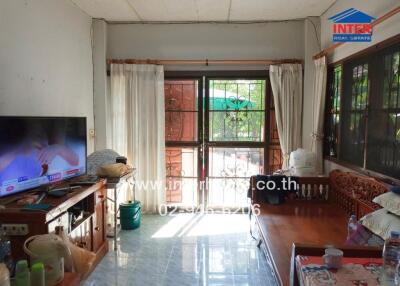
x: 270, y: 145
x: 331, y: 110
x: 369, y: 55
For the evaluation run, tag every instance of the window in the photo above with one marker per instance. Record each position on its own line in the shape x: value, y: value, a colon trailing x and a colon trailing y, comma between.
x: 333, y: 112
x: 220, y: 129
x: 355, y: 102
x: 182, y: 106
x: 362, y: 123
x: 237, y: 110
x: 236, y: 137
x: 383, y: 151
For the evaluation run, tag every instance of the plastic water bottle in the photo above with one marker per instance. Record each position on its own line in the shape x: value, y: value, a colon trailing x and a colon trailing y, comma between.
x: 37, y: 274
x: 397, y: 279
x: 351, y: 226
x: 22, y: 274
x: 5, y: 250
x: 391, y: 260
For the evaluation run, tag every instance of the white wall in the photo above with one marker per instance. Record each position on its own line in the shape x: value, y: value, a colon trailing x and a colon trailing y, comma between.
x: 374, y: 8
x: 189, y: 41
x: 45, y: 60
x: 100, y: 82
x: 312, y: 32
x: 275, y: 40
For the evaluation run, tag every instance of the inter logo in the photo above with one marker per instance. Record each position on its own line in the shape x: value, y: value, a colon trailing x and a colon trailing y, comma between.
x: 352, y: 25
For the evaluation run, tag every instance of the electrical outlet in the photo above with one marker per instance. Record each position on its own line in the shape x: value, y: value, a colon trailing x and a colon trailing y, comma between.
x: 17, y: 229
x: 92, y: 133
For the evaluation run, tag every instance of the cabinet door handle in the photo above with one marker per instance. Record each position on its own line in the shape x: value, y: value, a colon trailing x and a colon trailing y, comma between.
x: 97, y: 228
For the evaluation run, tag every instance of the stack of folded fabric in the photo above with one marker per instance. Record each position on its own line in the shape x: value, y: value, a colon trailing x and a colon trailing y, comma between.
x: 387, y: 219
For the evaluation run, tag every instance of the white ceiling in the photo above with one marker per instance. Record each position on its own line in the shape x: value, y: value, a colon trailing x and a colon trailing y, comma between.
x: 202, y: 10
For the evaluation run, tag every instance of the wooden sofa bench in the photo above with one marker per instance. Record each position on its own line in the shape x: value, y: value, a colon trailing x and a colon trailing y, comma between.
x: 316, y: 214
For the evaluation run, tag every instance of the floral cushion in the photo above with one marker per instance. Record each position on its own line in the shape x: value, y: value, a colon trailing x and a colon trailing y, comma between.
x: 390, y: 201
x: 381, y: 222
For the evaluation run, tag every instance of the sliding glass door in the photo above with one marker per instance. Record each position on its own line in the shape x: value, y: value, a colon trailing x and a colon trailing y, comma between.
x: 217, y: 136
x: 183, y: 125
x: 234, y: 138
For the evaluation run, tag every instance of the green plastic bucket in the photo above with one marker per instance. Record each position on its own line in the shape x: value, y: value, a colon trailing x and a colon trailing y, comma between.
x: 130, y: 215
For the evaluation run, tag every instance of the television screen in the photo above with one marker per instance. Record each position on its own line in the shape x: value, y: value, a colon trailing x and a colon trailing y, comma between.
x: 36, y: 151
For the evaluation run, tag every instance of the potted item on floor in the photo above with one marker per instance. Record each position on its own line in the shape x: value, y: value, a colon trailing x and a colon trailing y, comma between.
x: 130, y: 215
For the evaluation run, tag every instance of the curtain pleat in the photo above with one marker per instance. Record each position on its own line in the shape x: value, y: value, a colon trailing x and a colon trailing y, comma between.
x: 318, y: 112
x: 287, y: 89
x: 138, y: 115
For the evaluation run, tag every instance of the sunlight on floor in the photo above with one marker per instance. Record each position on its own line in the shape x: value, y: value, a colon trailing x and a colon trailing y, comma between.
x: 173, y: 226
x: 203, y: 225
x: 188, y: 250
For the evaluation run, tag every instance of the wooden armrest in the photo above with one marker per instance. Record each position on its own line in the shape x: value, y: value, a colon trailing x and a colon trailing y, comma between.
x: 318, y: 250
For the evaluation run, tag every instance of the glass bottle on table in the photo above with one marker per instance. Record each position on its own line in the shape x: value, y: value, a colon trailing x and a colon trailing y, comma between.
x: 351, y: 226
x: 397, y: 279
x: 391, y: 260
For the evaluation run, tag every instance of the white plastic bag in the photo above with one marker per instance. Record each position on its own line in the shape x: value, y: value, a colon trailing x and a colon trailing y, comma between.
x: 82, y: 258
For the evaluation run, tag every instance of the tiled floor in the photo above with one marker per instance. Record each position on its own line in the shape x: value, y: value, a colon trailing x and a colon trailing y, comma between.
x: 185, y: 249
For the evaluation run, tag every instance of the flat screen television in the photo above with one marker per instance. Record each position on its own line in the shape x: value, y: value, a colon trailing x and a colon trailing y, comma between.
x: 36, y: 151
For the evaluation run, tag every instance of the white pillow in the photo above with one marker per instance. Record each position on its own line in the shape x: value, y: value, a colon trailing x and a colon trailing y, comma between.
x: 389, y: 201
x: 381, y: 222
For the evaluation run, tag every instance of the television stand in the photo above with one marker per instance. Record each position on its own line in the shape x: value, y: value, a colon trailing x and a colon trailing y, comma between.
x: 81, y: 183
x: 88, y: 232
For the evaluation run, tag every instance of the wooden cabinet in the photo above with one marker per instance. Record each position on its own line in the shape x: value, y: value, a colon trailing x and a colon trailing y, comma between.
x: 100, y: 195
x: 76, y: 236
x: 81, y: 235
x: 88, y: 232
x: 61, y: 220
x: 99, y: 223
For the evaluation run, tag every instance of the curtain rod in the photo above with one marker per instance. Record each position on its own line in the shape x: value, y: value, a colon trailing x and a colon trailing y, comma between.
x: 381, y: 19
x: 205, y: 62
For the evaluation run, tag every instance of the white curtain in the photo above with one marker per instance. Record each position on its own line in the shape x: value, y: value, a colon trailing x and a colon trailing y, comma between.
x: 137, y: 114
x: 318, y: 111
x: 287, y: 89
